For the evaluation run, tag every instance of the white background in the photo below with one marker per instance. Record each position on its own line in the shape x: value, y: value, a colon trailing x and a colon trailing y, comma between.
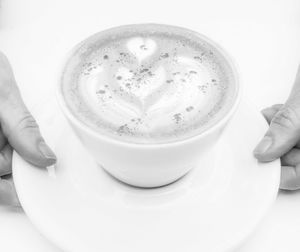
x: 263, y: 37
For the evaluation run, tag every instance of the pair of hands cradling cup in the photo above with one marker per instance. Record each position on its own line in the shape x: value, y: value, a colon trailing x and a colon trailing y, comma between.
x: 19, y: 131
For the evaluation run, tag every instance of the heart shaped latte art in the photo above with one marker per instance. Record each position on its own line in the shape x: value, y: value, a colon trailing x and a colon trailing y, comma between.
x: 145, y: 81
x: 147, y: 86
x: 133, y: 85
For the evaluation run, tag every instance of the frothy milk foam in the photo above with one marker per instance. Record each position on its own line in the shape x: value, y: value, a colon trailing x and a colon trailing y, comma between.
x: 148, y: 85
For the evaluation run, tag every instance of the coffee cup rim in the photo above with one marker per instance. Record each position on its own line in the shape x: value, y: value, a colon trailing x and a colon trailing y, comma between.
x: 71, y: 117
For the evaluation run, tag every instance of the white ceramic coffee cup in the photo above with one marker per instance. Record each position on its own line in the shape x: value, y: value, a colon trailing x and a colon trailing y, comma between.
x: 151, y: 165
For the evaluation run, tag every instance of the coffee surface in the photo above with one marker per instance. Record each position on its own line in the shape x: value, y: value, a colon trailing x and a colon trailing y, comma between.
x: 148, y: 86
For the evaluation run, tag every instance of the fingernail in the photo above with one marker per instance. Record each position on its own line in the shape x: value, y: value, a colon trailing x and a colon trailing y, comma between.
x: 47, y: 152
x: 263, y: 145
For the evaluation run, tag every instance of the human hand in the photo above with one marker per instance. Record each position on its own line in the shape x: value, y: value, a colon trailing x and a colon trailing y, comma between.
x: 282, y: 139
x: 18, y: 131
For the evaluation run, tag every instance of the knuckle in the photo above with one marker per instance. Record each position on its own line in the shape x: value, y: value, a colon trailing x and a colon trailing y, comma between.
x: 287, y: 117
x: 27, y: 122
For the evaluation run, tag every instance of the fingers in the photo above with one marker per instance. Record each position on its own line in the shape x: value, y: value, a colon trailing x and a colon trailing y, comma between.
x: 284, y: 118
x: 24, y: 136
x: 270, y: 112
x: 292, y: 158
x: 284, y: 131
x: 18, y: 125
x: 5, y: 160
x: 282, y: 135
x: 290, y: 178
x: 290, y: 170
x: 8, y: 195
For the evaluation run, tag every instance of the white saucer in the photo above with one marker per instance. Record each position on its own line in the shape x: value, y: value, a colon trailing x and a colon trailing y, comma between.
x: 81, y: 208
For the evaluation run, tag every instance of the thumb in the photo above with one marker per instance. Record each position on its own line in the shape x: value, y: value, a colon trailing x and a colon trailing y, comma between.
x: 284, y: 131
x: 18, y: 125
x: 282, y: 135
